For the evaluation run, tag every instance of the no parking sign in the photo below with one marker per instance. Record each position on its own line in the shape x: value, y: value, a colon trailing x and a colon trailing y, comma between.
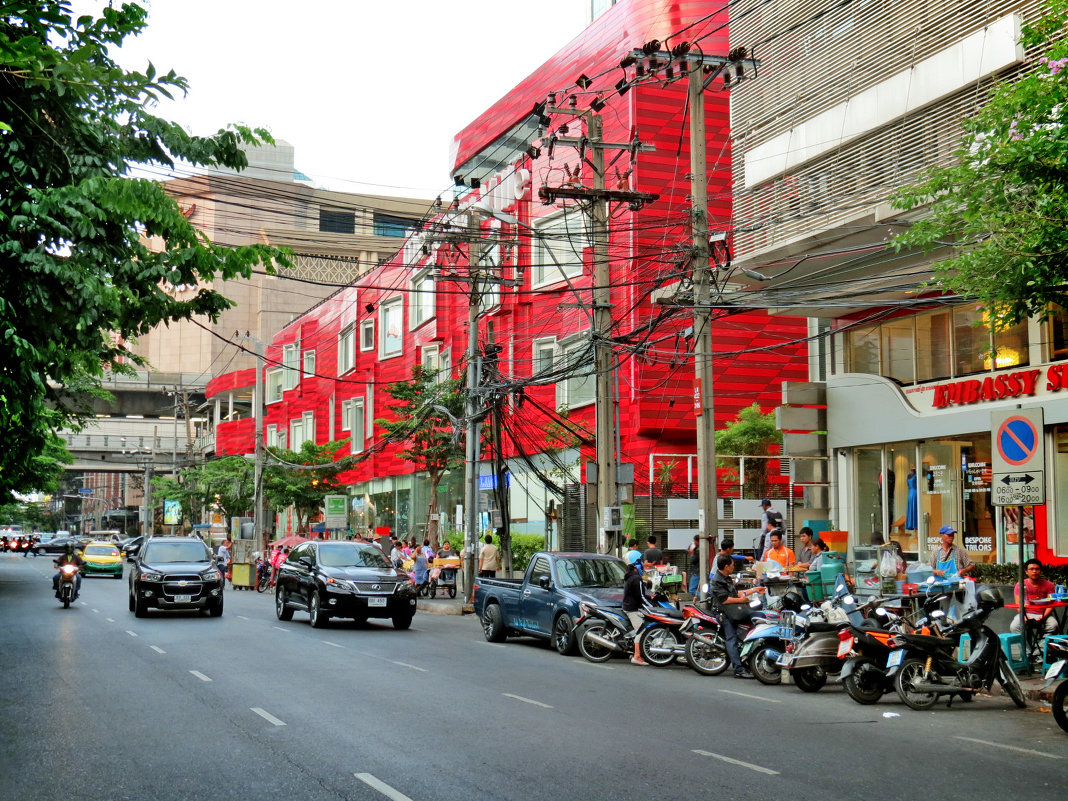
x: 1019, y: 459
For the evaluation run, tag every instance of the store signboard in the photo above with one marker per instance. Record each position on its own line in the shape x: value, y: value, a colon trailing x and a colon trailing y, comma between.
x: 336, y: 511
x: 1018, y: 464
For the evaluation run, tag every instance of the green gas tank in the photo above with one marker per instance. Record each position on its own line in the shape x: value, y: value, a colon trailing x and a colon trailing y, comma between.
x: 833, y: 564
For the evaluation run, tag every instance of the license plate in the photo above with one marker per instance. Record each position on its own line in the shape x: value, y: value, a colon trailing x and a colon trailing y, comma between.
x: 896, y: 658
x: 183, y: 599
x: 844, y: 647
x: 785, y: 661
x: 1055, y: 669
x: 377, y: 601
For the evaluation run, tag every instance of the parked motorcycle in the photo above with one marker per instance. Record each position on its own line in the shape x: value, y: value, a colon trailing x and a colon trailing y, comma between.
x: 1058, y: 650
x: 67, y: 591
x: 602, y: 632
x: 765, y: 643
x: 821, y: 653
x: 925, y: 667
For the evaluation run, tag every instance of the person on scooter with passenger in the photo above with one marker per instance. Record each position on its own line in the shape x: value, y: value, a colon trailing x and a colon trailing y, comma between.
x: 69, y: 557
x: 724, y: 594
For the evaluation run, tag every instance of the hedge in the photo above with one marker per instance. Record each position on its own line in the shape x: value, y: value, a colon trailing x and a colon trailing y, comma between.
x: 524, y: 546
x: 1010, y: 573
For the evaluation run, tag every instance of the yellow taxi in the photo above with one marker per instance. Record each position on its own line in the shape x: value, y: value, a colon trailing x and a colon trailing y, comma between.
x: 102, y: 559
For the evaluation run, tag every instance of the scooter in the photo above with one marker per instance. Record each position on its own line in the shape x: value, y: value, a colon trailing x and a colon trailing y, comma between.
x: 603, y: 632
x: 67, y: 592
x: 765, y: 643
x: 821, y: 653
x: 1058, y: 650
x: 925, y: 667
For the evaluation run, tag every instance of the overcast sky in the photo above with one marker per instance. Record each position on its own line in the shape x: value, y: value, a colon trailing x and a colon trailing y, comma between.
x: 370, y: 92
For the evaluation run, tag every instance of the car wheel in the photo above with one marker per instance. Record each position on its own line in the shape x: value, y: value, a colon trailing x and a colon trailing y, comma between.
x: 281, y: 611
x: 131, y: 597
x: 118, y: 576
x: 564, y: 635
x: 316, y: 616
x: 140, y: 607
x: 216, y: 610
x: 402, y: 622
x: 493, y: 623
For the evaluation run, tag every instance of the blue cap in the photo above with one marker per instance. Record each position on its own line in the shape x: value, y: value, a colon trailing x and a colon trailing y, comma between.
x: 947, y: 530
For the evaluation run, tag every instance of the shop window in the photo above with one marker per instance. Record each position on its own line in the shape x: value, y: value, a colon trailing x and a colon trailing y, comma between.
x: 1009, y: 347
x: 934, y: 354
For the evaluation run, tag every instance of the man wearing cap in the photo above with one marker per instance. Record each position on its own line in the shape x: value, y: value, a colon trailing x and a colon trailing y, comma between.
x: 770, y: 519
x: 949, y: 551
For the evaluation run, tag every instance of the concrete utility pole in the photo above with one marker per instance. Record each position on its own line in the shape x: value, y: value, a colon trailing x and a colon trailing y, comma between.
x: 258, y: 409
x: 471, y: 410
x: 708, y: 523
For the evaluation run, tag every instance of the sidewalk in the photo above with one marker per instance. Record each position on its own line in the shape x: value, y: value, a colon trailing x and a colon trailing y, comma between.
x: 443, y: 606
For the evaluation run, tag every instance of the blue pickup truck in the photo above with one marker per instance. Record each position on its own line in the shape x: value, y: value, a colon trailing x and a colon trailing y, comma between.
x: 545, y: 602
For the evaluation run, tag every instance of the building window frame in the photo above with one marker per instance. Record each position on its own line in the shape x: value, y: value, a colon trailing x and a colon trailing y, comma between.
x: 560, y: 246
x: 273, y: 385
x: 391, y: 328
x: 422, y: 300
x: 309, y: 363
x: 346, y: 353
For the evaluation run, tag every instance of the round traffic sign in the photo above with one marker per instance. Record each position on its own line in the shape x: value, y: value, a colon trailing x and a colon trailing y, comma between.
x: 1017, y: 440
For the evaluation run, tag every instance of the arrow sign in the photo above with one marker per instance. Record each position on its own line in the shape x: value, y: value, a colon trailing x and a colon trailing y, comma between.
x: 1014, y: 479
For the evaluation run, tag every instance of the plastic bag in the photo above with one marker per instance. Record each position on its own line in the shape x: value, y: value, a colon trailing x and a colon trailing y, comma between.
x: 888, y: 565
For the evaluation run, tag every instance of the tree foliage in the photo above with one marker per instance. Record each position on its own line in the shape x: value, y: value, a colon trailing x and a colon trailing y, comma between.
x: 227, y: 482
x: 426, y: 413
x: 751, y: 434
x: 303, y: 478
x: 1002, y: 207
x: 79, y: 279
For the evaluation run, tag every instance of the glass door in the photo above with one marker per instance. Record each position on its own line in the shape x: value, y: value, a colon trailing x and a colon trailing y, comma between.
x: 940, y: 492
x: 869, y: 495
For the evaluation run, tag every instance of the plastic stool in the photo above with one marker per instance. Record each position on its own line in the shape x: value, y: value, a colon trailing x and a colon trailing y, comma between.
x: 1012, y: 645
x: 1045, y: 649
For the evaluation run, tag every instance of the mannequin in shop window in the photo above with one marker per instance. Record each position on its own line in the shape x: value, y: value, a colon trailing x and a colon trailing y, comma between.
x: 911, y: 509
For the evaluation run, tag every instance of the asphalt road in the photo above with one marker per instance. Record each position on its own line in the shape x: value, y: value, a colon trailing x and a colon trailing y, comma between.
x: 96, y: 704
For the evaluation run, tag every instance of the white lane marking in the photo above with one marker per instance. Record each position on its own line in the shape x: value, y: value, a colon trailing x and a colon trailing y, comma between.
x: 200, y: 675
x: 110, y: 619
x: 242, y: 617
x: 738, y: 762
x: 267, y: 716
x: 96, y: 611
x: 279, y: 628
x: 157, y: 649
x: 495, y: 645
x: 382, y: 787
x: 757, y: 697
x: 594, y: 664
x: 413, y: 667
x: 333, y: 644
x: 527, y: 700
x: 1009, y: 747
x: 131, y: 633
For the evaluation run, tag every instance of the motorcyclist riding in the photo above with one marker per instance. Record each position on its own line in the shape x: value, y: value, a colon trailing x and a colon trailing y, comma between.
x: 68, y: 558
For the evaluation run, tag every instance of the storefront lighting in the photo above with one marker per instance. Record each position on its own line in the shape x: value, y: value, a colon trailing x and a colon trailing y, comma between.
x: 1006, y: 357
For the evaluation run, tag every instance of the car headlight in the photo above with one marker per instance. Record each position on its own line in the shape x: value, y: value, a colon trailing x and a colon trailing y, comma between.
x: 211, y: 575
x: 148, y: 575
x: 339, y: 585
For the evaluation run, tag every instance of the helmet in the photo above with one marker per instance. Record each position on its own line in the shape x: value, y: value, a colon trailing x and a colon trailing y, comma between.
x: 989, y: 598
x: 793, y: 601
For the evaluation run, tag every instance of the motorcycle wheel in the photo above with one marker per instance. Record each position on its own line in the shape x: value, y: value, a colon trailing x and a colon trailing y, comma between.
x: 909, y: 674
x: 763, y: 666
x: 66, y: 602
x: 865, y: 684
x: 1060, y: 705
x: 1007, y: 679
x: 708, y: 660
x: 658, y: 637
x: 590, y: 650
x: 809, y: 679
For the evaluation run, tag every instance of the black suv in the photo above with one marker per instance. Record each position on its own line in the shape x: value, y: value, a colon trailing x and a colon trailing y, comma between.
x: 175, y: 573
x: 343, y: 579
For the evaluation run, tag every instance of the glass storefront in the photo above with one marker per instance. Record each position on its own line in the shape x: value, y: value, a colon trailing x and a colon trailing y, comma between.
x: 907, y: 491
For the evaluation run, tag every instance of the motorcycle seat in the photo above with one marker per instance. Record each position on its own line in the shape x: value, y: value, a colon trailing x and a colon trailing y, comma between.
x: 815, y: 628
x: 666, y: 612
x: 927, y: 640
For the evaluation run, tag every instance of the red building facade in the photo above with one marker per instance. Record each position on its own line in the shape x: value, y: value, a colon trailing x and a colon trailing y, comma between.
x: 524, y: 218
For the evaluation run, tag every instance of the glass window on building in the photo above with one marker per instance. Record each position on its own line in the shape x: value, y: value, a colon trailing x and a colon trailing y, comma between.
x: 864, y: 350
x: 902, y: 497
x: 1057, y: 334
x: 971, y: 336
x: 1058, y: 536
x: 898, y: 358
x: 1010, y: 348
x: 337, y: 221
x: 934, y: 356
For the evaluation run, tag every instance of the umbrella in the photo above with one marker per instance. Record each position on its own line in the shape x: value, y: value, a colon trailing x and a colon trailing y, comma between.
x: 289, y: 542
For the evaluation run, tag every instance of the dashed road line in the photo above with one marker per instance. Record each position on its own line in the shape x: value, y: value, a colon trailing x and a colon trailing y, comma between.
x: 757, y: 697
x: 413, y: 667
x: 131, y: 633
x: 382, y: 787
x: 200, y: 675
x: 1009, y: 747
x: 110, y: 619
x: 157, y: 649
x: 527, y: 700
x: 242, y: 617
x: 279, y: 628
x: 96, y: 611
x: 331, y: 644
x: 267, y: 716
x: 738, y: 762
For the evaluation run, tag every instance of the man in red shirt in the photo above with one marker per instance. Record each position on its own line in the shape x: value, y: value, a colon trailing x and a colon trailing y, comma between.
x: 1036, y: 589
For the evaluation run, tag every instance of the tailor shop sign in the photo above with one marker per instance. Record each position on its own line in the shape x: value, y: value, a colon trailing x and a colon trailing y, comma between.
x: 1003, y: 385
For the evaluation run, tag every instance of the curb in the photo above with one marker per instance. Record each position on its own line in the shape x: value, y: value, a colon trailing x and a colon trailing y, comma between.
x: 440, y: 607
